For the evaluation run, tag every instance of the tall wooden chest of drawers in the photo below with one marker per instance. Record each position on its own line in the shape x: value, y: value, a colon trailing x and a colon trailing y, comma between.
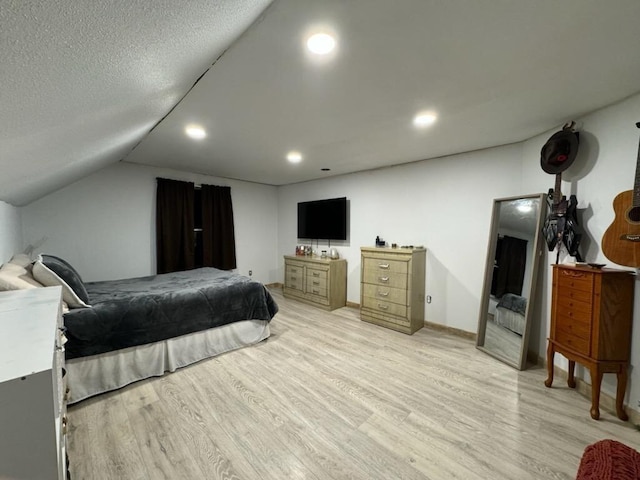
x: 321, y: 282
x: 392, y: 287
x: 591, y: 318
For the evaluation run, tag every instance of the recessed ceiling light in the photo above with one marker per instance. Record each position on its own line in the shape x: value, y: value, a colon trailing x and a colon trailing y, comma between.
x: 195, y: 131
x: 424, y: 119
x: 321, y: 43
x: 294, y: 157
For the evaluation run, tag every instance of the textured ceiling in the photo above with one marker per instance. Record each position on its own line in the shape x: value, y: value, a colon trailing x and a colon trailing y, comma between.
x: 84, y: 82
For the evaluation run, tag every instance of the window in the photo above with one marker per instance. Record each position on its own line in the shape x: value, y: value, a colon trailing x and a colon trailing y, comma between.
x: 194, y: 226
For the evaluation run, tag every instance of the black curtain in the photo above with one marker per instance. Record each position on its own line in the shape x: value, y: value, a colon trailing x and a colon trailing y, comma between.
x: 218, y: 237
x: 511, y: 260
x: 174, y: 225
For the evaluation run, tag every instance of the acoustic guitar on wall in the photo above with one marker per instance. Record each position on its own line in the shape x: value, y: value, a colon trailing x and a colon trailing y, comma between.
x: 621, y: 241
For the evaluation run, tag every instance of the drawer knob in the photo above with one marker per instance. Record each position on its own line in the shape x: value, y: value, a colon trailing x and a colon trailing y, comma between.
x: 316, y: 283
x: 384, y: 266
x: 316, y: 291
x: 383, y: 307
x: 383, y: 294
x: 383, y: 279
x: 315, y: 274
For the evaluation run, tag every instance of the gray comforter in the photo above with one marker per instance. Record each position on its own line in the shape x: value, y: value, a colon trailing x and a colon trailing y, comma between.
x: 143, y: 310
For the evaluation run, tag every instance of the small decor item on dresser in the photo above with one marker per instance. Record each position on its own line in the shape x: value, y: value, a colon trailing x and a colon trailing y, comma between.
x: 333, y: 253
x: 380, y: 242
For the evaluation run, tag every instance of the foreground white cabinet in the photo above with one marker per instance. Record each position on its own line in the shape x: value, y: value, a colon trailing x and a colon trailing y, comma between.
x: 32, y: 404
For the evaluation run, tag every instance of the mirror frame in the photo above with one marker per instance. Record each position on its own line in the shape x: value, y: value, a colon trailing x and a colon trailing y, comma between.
x: 521, y: 362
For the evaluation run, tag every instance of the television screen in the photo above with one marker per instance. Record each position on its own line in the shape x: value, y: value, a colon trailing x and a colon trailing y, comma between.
x: 323, y: 219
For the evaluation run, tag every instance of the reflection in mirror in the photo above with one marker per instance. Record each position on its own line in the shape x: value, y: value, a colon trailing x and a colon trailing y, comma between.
x: 513, y: 255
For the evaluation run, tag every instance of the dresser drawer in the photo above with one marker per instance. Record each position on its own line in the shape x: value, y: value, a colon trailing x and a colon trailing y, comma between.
x: 390, y: 321
x: 575, y: 280
x: 567, y: 293
x: 294, y: 281
x: 385, y: 293
x: 317, y: 273
x: 577, y: 344
x: 387, y: 279
x: 580, y: 327
x: 385, y: 265
x: 316, y: 289
x: 316, y: 282
x: 384, y: 306
x: 294, y: 267
x: 574, y: 309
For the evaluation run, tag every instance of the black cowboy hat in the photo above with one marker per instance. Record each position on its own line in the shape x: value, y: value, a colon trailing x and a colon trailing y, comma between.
x: 560, y: 150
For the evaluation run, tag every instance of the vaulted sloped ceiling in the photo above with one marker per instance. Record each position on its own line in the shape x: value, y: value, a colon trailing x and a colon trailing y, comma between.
x: 85, y: 84
x: 83, y: 81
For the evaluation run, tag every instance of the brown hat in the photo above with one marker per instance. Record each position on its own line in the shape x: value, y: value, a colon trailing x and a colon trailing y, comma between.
x: 560, y: 150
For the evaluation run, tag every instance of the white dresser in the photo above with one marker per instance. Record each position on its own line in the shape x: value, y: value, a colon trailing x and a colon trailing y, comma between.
x: 32, y: 390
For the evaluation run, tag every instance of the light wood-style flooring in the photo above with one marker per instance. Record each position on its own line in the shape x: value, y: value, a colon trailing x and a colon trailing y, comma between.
x: 331, y: 397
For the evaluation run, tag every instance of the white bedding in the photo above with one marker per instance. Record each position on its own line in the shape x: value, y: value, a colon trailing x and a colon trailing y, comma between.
x: 88, y: 376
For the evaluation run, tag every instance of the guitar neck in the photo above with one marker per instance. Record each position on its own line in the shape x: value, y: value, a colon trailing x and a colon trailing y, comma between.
x: 636, y: 185
x: 557, y: 194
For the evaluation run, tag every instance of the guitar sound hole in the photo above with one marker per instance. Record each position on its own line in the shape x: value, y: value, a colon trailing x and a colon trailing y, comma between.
x: 634, y: 214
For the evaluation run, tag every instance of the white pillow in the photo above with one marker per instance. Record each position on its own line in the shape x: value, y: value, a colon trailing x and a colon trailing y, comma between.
x: 16, y: 277
x: 49, y: 278
x: 9, y: 281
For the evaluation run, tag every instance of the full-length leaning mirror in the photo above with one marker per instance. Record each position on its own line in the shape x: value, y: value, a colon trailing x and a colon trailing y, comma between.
x: 513, y: 257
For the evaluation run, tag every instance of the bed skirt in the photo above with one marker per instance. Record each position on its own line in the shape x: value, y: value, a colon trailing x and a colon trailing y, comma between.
x: 89, y: 376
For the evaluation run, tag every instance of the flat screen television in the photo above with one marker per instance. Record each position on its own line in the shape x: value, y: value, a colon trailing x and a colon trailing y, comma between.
x: 323, y: 219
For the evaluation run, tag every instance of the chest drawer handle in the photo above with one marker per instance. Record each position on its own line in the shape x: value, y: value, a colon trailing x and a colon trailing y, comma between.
x: 385, y: 266
x: 383, y: 294
x: 383, y: 279
x: 316, y: 283
x: 316, y: 291
x: 293, y: 278
x: 315, y: 274
x: 383, y: 307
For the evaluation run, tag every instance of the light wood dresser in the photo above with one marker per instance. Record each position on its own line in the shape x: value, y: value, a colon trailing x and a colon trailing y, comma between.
x: 32, y: 388
x: 392, y: 287
x: 315, y: 280
x: 591, y: 318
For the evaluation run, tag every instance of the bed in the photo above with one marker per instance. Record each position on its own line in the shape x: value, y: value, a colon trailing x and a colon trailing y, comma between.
x: 126, y: 330
x: 510, y: 312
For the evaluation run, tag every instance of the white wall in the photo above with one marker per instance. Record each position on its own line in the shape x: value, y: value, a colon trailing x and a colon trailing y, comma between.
x: 10, y: 231
x: 104, y: 224
x: 444, y: 204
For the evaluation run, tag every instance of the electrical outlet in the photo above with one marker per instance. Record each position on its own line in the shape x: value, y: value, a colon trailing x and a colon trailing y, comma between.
x: 250, y: 272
